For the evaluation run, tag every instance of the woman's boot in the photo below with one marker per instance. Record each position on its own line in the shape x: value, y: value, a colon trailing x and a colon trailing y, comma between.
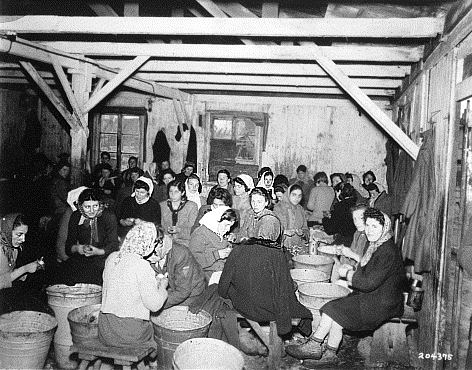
x: 311, y: 349
x: 329, y: 355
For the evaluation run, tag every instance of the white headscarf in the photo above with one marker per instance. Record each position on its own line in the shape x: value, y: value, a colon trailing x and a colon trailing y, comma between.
x: 212, y: 219
x: 149, y: 182
x: 193, y: 197
x: 73, y: 196
x: 248, y: 180
x: 261, y: 184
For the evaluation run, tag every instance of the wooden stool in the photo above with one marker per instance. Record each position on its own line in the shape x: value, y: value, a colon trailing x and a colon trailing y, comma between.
x: 93, y: 350
x: 389, y: 343
x: 272, y: 341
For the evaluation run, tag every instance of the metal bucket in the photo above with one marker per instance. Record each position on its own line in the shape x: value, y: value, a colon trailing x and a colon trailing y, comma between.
x: 83, y: 322
x: 63, y: 299
x: 174, y: 326
x: 25, y: 338
x: 207, y: 354
x: 302, y: 276
x: 315, y: 295
x: 313, y: 262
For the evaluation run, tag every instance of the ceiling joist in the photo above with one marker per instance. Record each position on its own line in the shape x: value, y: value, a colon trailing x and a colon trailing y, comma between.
x: 239, y: 27
x: 397, y: 54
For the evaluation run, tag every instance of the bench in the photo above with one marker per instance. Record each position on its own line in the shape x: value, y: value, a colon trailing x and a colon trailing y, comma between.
x: 94, y: 350
x: 272, y: 341
x: 389, y: 343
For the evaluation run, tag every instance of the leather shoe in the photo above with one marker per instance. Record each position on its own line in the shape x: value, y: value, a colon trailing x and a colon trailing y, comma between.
x: 311, y: 349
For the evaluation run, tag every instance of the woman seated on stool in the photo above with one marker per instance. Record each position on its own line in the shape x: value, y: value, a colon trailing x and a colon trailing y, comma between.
x: 377, y: 293
x: 131, y: 290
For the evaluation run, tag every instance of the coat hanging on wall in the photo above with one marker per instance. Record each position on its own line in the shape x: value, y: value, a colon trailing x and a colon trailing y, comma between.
x: 192, y: 146
x: 161, y: 148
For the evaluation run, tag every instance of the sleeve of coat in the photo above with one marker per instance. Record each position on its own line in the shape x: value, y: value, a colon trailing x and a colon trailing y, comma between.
x: 331, y: 224
x: 375, y: 272
x: 311, y: 200
x: 200, y: 247
x: 72, y: 231
x: 110, y: 239
x: 186, y: 225
x: 228, y: 272
x: 181, y: 275
x: 412, y: 197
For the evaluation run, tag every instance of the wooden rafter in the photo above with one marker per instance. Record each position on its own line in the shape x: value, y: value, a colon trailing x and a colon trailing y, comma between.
x: 398, y: 54
x: 103, y: 10
x: 113, y: 84
x: 63, y: 111
x: 238, y: 27
x: 69, y: 93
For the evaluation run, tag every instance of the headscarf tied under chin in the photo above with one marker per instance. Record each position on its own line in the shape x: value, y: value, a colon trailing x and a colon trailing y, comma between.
x: 195, y: 197
x: 140, y: 240
x: 291, y: 209
x: 73, y: 196
x: 212, y: 219
x: 6, y: 230
x: 91, y: 223
x: 386, y: 235
x: 270, y: 189
x: 149, y: 183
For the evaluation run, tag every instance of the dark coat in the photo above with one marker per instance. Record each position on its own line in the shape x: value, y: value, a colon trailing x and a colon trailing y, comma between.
x: 186, y: 277
x: 377, y: 292
x: 384, y: 203
x: 341, y: 223
x: 149, y: 211
x: 257, y: 280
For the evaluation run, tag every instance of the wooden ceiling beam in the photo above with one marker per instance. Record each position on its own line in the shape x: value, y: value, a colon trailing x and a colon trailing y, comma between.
x: 34, y: 51
x: 103, y: 10
x: 218, y: 26
x: 399, y: 54
x: 275, y: 89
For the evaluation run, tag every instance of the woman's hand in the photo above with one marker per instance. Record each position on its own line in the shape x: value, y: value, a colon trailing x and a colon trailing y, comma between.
x: 107, y: 192
x: 127, y: 221
x: 90, y: 250
x: 231, y: 237
x: 78, y: 248
x: 347, y: 252
x: 162, y: 281
x: 31, y: 267
x: 344, y: 269
x: 224, y: 253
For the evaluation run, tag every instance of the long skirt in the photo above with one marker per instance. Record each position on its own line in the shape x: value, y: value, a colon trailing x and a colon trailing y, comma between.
x: 124, y: 331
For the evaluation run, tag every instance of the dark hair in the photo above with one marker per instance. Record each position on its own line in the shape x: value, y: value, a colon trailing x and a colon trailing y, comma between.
x: 264, y: 169
x: 347, y: 191
x: 240, y: 181
x: 107, y: 166
x: 165, y: 172
x: 195, y: 176
x: 296, y: 187
x: 226, y: 172
x: 61, y: 164
x: 18, y: 221
x: 133, y: 157
x: 371, y: 186
x: 188, y: 164
x: 358, y: 207
x: 140, y: 184
x: 348, y: 175
x: 301, y: 168
x: 320, y: 177
x: 220, y: 193
x: 229, y: 215
x: 103, y: 154
x: 369, y: 173
x: 280, y: 180
x: 89, y: 194
x: 260, y: 191
x: 180, y: 185
x: 337, y: 174
x: 279, y: 188
x: 375, y: 214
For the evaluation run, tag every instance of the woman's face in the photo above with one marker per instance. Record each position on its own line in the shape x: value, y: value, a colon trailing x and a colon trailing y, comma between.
x: 188, y: 171
x: 295, y: 196
x: 175, y: 195
x: 91, y: 208
x: 217, y: 203
x: 193, y: 186
x: 223, y: 180
x: 224, y: 226
x: 349, y: 180
x: 18, y: 235
x: 258, y: 203
x: 358, y: 218
x: 373, y: 229
x: 368, y: 179
x: 238, y: 188
x: 279, y: 196
x: 167, y: 178
x: 268, y: 180
x: 132, y: 163
x: 105, y: 173
x: 64, y: 172
x: 336, y: 180
x: 141, y: 194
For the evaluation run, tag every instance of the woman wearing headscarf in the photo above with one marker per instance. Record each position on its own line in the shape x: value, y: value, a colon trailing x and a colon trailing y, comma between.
x: 139, y: 206
x: 91, y: 237
x: 207, y: 242
x: 193, y: 189
x: 266, y: 181
x: 178, y: 214
x: 131, y: 291
x: 377, y: 286
x: 293, y: 218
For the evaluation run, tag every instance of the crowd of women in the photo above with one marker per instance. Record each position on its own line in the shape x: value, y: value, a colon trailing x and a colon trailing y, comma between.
x: 154, y: 241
